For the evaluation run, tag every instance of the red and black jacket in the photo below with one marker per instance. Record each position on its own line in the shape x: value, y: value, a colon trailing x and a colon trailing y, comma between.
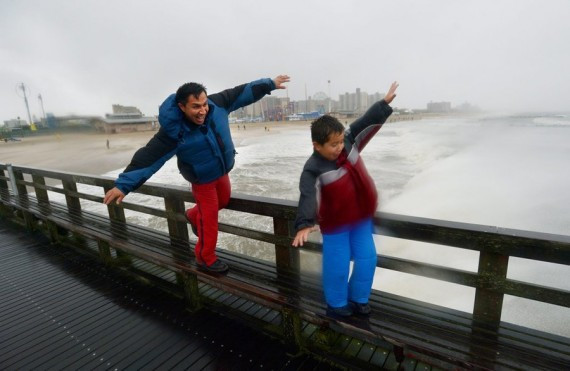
x: 341, y: 192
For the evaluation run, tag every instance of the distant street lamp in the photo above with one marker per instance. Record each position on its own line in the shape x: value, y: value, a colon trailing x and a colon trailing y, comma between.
x: 330, y: 98
x: 23, y: 88
x: 42, y: 105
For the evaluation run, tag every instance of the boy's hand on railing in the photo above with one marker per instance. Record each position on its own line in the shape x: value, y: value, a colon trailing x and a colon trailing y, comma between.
x: 113, y: 194
x: 303, y: 235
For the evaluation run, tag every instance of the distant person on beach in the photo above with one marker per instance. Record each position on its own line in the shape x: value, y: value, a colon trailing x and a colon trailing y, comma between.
x: 195, y: 128
x: 338, y: 194
x: 108, y: 144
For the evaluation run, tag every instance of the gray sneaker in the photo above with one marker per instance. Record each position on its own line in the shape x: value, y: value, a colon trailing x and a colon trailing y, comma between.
x: 218, y: 267
x: 339, y: 312
x: 359, y: 308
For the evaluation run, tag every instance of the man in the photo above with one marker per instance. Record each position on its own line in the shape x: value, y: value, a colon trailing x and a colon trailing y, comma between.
x: 195, y: 128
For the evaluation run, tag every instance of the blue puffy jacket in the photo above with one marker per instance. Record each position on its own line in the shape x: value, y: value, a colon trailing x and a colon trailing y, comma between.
x: 205, y: 152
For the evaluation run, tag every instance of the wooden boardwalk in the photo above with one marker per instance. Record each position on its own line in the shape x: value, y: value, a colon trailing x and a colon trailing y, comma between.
x: 274, y: 298
x: 60, y: 310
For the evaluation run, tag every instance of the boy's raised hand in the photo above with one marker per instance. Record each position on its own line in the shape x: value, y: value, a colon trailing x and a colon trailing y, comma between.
x: 391, y: 94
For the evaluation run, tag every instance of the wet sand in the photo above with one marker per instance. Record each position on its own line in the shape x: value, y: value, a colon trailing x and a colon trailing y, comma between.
x: 87, y: 153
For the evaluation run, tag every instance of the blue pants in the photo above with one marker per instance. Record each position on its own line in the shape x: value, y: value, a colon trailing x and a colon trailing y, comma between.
x: 354, y: 243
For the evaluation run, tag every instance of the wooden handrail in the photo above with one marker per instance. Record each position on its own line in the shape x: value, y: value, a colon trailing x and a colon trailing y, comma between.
x: 495, y: 245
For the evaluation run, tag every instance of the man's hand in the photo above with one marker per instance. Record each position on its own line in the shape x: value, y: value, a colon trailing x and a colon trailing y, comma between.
x: 303, y: 235
x: 280, y: 80
x: 391, y: 94
x: 113, y: 194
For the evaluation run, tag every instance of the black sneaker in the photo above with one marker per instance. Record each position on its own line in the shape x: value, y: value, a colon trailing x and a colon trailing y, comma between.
x: 340, y: 312
x: 360, y: 308
x: 194, y: 229
x: 218, y: 267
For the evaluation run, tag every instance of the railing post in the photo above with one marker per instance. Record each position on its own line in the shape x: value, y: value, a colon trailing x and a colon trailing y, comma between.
x: 118, y: 227
x: 189, y: 283
x: 21, y: 193
x: 492, y: 272
x: 178, y: 231
x: 44, y: 204
x: 12, y: 177
x: 291, y: 324
x: 73, y: 205
x: 286, y: 256
x: 41, y: 193
x: 4, y: 192
x: 105, y: 252
x: 288, y: 268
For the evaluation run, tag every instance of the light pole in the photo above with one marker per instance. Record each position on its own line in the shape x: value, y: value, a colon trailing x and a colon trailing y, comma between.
x: 330, y: 98
x: 23, y: 87
x: 43, y: 111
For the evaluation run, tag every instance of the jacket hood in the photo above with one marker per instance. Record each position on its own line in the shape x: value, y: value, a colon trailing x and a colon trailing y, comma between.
x: 170, y: 117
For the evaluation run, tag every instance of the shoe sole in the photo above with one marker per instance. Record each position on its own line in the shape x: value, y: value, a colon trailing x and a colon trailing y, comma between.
x: 205, y: 268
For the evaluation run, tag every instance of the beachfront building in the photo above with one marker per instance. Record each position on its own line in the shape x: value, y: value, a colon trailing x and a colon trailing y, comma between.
x: 355, y: 104
x: 266, y: 109
x: 14, y: 123
x: 125, y: 119
x: 439, y: 107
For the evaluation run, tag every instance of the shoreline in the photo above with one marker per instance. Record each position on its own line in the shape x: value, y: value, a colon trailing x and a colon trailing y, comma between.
x: 87, y: 153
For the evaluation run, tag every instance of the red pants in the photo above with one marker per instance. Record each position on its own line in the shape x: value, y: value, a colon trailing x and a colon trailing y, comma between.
x: 210, y: 198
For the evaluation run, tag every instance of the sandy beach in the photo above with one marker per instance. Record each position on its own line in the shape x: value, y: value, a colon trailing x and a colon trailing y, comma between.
x: 87, y: 153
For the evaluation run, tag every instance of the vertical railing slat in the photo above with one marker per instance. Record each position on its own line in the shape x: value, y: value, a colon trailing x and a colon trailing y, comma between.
x: 492, y: 272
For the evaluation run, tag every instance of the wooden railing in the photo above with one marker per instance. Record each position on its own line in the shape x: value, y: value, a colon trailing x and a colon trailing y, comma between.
x: 495, y: 245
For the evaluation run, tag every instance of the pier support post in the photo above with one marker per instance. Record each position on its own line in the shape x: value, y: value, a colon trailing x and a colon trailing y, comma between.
x: 191, y: 291
x: 291, y: 325
x: 105, y: 252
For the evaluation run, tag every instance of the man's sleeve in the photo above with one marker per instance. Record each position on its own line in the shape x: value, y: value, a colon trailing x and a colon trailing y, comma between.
x: 242, y: 95
x: 307, y: 209
x: 146, y: 161
x: 366, y: 126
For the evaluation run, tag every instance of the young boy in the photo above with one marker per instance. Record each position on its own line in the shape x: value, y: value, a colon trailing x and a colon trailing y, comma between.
x: 339, y: 195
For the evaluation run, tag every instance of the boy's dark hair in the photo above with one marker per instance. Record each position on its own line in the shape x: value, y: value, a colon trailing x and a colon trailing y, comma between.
x: 323, y: 127
x: 189, y: 89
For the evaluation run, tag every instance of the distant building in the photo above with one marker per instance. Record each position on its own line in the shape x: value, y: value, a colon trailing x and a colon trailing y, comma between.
x: 125, y: 119
x: 118, y: 109
x: 113, y: 125
x: 439, y: 107
x: 14, y: 123
x: 357, y: 102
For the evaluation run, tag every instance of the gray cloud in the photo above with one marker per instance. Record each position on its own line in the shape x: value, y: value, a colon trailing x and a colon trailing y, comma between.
x: 84, y: 56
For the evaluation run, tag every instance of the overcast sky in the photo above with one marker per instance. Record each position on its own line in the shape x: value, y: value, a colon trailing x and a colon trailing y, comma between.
x: 82, y: 56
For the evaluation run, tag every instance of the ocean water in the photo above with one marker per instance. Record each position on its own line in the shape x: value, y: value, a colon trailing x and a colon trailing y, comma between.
x: 502, y: 170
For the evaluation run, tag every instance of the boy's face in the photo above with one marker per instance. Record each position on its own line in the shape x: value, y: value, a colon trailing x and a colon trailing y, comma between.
x: 332, y: 147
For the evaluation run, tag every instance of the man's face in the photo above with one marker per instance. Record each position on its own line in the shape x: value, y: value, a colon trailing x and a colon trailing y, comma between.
x: 332, y: 147
x: 195, y: 109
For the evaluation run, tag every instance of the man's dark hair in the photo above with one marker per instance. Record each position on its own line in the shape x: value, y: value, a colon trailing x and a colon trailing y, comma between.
x: 189, y: 89
x: 323, y: 127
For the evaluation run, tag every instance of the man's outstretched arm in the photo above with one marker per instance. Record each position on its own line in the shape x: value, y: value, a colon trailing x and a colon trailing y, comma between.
x: 242, y: 95
x: 145, y: 162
